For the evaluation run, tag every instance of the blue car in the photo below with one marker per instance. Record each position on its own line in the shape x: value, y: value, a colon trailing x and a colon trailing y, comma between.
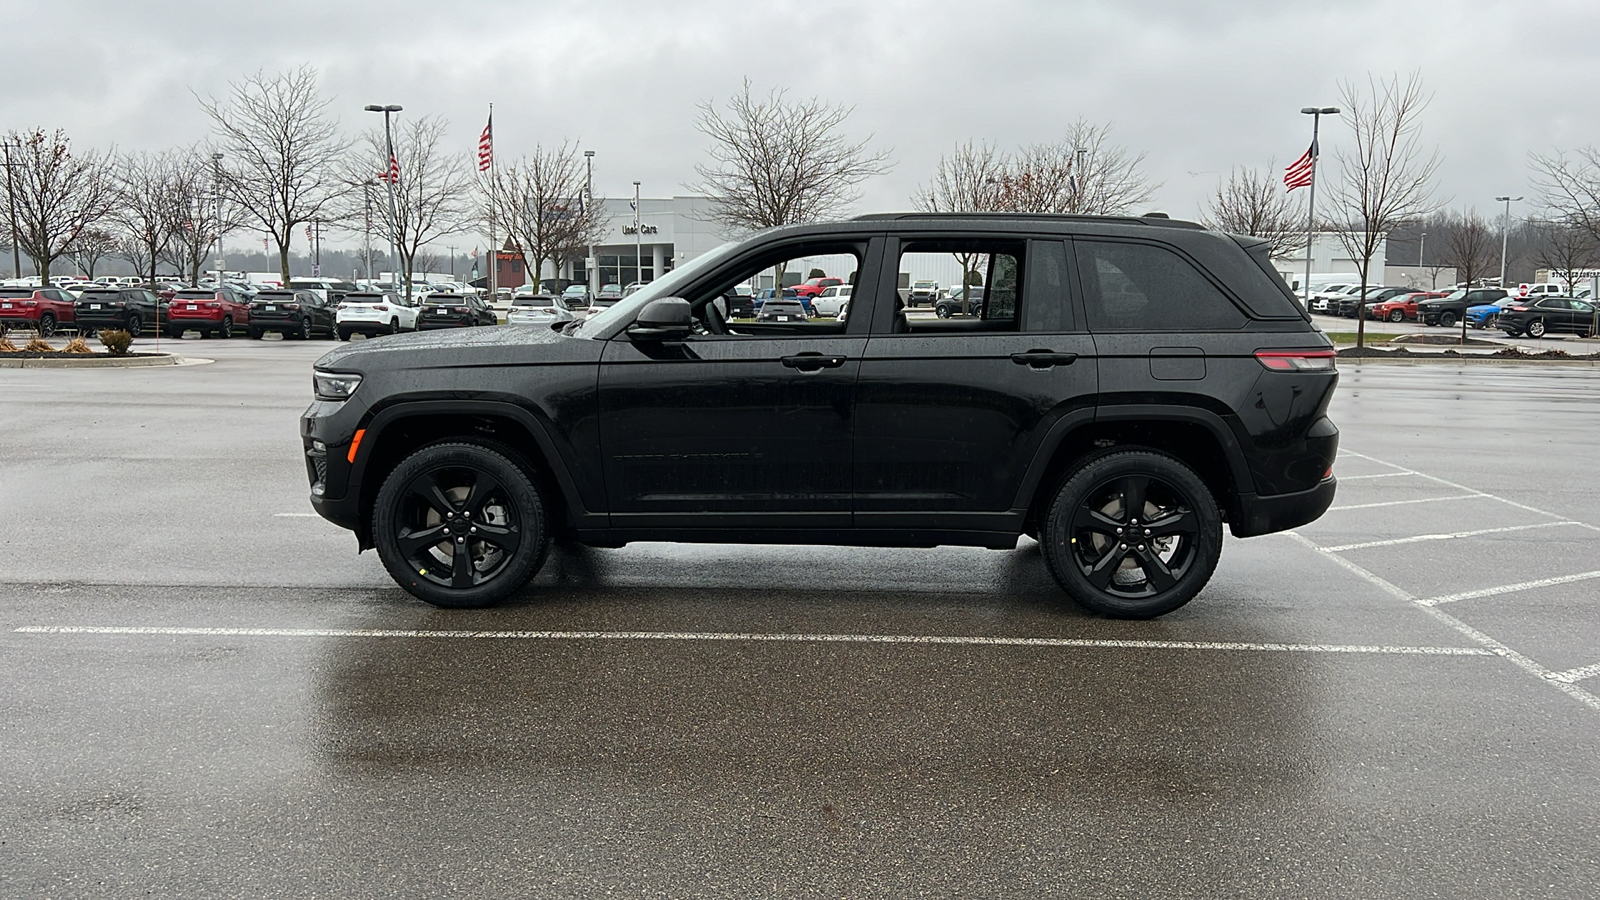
x: 788, y: 294
x: 1485, y: 315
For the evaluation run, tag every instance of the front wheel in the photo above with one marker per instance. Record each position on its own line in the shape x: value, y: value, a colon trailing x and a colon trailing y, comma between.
x: 1132, y: 534
x: 942, y: 312
x: 1447, y: 319
x: 1397, y: 316
x: 460, y: 525
x: 1536, y: 328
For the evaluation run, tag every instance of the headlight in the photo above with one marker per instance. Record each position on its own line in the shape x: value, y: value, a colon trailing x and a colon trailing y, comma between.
x: 334, y: 385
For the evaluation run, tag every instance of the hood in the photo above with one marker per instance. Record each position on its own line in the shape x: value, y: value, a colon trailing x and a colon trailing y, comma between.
x: 499, y: 345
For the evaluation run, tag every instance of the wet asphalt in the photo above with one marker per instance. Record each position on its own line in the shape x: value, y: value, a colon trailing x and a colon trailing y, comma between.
x: 208, y: 693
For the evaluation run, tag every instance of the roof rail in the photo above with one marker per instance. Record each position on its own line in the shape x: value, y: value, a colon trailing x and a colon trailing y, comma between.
x: 1148, y: 219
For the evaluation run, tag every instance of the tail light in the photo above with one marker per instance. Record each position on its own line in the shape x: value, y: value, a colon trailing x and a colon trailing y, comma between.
x: 211, y: 305
x: 1520, y: 308
x: 459, y: 309
x: 343, y: 306
x: 30, y: 303
x: 291, y: 306
x: 380, y: 308
x: 1296, y: 360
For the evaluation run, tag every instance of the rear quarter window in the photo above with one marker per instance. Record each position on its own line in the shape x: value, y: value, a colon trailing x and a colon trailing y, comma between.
x: 1145, y: 287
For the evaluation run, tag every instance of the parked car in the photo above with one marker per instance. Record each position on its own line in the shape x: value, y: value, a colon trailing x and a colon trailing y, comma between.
x: 575, y: 297
x: 461, y: 460
x: 1347, y: 305
x: 38, y: 309
x: 299, y: 314
x: 951, y: 305
x: 923, y: 292
x: 1323, y: 301
x: 1402, y: 307
x: 609, y: 292
x: 1486, y: 315
x: 456, y: 311
x: 831, y: 300
x: 782, y: 310
x: 761, y: 297
x: 539, y: 309
x: 210, y: 311
x: 329, y: 289
x: 373, y: 313
x: 1449, y: 309
x: 130, y: 309
x: 1536, y: 318
x: 814, y: 286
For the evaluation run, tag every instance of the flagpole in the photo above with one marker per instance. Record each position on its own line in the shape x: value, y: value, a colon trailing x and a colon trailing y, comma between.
x: 494, y: 249
x: 1316, y: 114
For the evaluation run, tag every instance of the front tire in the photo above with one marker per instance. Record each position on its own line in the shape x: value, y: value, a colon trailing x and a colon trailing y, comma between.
x: 460, y: 525
x: 1397, y: 316
x: 1536, y: 328
x: 1447, y: 319
x: 942, y: 312
x: 1132, y: 534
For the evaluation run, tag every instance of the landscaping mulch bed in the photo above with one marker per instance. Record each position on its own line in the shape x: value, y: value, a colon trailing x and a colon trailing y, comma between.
x: 40, y: 354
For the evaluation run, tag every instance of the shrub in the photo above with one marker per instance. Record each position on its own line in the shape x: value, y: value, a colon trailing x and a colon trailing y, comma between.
x: 6, y: 346
x: 77, y: 345
x: 116, y: 340
x: 39, y: 345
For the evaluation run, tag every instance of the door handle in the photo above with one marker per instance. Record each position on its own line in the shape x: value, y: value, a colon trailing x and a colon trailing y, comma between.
x: 1043, y: 359
x: 812, y: 361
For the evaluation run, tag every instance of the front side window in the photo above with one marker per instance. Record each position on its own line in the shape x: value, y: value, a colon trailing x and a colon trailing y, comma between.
x: 772, y: 275
x: 1145, y: 287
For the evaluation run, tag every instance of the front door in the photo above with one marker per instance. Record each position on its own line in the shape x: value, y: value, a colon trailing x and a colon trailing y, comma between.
x: 951, y: 412
x: 743, y: 425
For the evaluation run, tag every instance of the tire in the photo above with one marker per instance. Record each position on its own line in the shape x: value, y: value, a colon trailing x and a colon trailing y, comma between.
x: 1536, y: 328
x: 1100, y: 572
x: 303, y: 333
x: 942, y: 312
x: 47, y: 326
x: 1447, y: 319
x: 1492, y: 322
x: 344, y: 335
x: 1397, y: 316
x: 459, y: 477
x: 175, y: 333
x: 394, y: 326
x: 135, y: 325
x: 226, y: 330
x: 254, y: 333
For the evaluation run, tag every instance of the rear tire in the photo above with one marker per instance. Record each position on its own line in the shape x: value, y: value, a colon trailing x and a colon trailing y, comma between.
x: 135, y: 325
x: 255, y: 333
x: 1132, y: 534
x: 47, y: 326
x: 303, y: 333
x: 502, y: 538
x: 226, y: 331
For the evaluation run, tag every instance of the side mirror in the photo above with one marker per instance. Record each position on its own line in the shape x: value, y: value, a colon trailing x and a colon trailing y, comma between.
x: 664, y: 319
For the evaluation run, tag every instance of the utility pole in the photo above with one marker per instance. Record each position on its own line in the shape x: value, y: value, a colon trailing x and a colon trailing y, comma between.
x: 1505, y: 237
x: 638, y: 240
x: 366, y: 231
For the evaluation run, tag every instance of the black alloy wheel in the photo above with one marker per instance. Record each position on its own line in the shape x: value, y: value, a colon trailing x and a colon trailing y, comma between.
x: 304, y: 331
x: 1447, y: 319
x: 460, y: 525
x: 1132, y: 534
x: 135, y: 325
x: 47, y: 326
x: 1536, y: 328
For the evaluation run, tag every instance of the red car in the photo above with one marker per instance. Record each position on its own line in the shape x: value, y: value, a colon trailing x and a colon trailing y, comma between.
x: 214, y: 312
x: 1402, y: 307
x: 39, y: 309
x: 816, y: 286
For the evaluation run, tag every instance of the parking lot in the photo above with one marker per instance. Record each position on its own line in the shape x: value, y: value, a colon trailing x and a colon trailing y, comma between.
x: 212, y: 694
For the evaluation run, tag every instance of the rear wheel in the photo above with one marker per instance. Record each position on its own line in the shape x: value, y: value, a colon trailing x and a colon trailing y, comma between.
x: 1447, y: 319
x: 304, y: 331
x: 344, y: 335
x: 254, y: 333
x: 175, y: 333
x: 460, y: 525
x: 394, y: 326
x: 226, y: 331
x: 47, y: 325
x: 1132, y: 534
x: 135, y: 325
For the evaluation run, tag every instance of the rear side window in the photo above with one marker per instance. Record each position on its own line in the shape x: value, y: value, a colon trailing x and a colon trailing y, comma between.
x: 1143, y: 287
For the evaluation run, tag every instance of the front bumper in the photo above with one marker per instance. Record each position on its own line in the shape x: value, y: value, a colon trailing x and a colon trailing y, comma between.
x: 327, y: 429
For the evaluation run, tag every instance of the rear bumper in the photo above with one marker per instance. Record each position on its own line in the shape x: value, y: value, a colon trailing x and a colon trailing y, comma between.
x: 1265, y: 515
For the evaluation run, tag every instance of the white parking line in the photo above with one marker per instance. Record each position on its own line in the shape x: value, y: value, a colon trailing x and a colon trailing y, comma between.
x: 749, y: 637
x: 1443, y: 537
x: 309, y: 515
x: 1577, y: 674
x: 1509, y: 588
x: 1461, y: 487
x: 1344, y: 478
x: 1404, y: 502
x: 1483, y: 640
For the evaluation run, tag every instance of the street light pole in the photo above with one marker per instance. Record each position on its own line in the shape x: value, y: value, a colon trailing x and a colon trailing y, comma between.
x: 638, y: 239
x: 1505, y: 236
x: 389, y: 177
x: 366, y: 231
x: 589, y: 262
x: 1316, y: 113
x: 11, y: 197
x: 216, y: 196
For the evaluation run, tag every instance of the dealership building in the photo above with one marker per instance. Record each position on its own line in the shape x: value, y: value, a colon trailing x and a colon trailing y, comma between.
x: 671, y: 232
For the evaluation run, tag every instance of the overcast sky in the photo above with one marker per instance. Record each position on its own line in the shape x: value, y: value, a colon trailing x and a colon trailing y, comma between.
x: 1198, y: 86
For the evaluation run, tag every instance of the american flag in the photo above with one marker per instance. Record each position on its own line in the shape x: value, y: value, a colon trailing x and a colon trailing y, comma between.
x: 1298, y: 174
x: 486, y: 146
x: 393, y: 175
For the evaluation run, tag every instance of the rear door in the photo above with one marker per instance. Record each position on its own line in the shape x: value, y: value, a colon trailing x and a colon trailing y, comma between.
x: 951, y: 412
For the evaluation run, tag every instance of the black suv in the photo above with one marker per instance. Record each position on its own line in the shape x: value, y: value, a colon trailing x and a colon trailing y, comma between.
x: 454, y: 311
x: 1130, y: 385
x: 1452, y: 308
x: 293, y: 314
x: 134, y: 310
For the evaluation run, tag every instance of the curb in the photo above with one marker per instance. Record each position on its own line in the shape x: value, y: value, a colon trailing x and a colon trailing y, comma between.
x: 1481, y: 360
x: 93, y: 362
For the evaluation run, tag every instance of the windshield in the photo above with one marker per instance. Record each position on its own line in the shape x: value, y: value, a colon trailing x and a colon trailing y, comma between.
x: 626, y: 309
x: 1455, y: 295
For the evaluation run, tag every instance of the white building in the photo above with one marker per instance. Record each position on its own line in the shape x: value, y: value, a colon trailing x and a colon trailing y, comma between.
x: 1328, y: 255
x: 671, y: 232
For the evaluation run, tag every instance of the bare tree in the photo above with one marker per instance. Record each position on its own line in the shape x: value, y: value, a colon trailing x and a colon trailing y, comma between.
x: 1570, y: 187
x: 282, y: 150
x: 1569, y: 251
x: 431, y: 200
x: 1253, y: 202
x: 58, y: 195
x: 967, y: 180
x: 92, y: 246
x: 774, y: 162
x: 1082, y: 174
x: 1470, y: 247
x: 1387, y: 177
x: 538, y: 201
x: 144, y: 211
